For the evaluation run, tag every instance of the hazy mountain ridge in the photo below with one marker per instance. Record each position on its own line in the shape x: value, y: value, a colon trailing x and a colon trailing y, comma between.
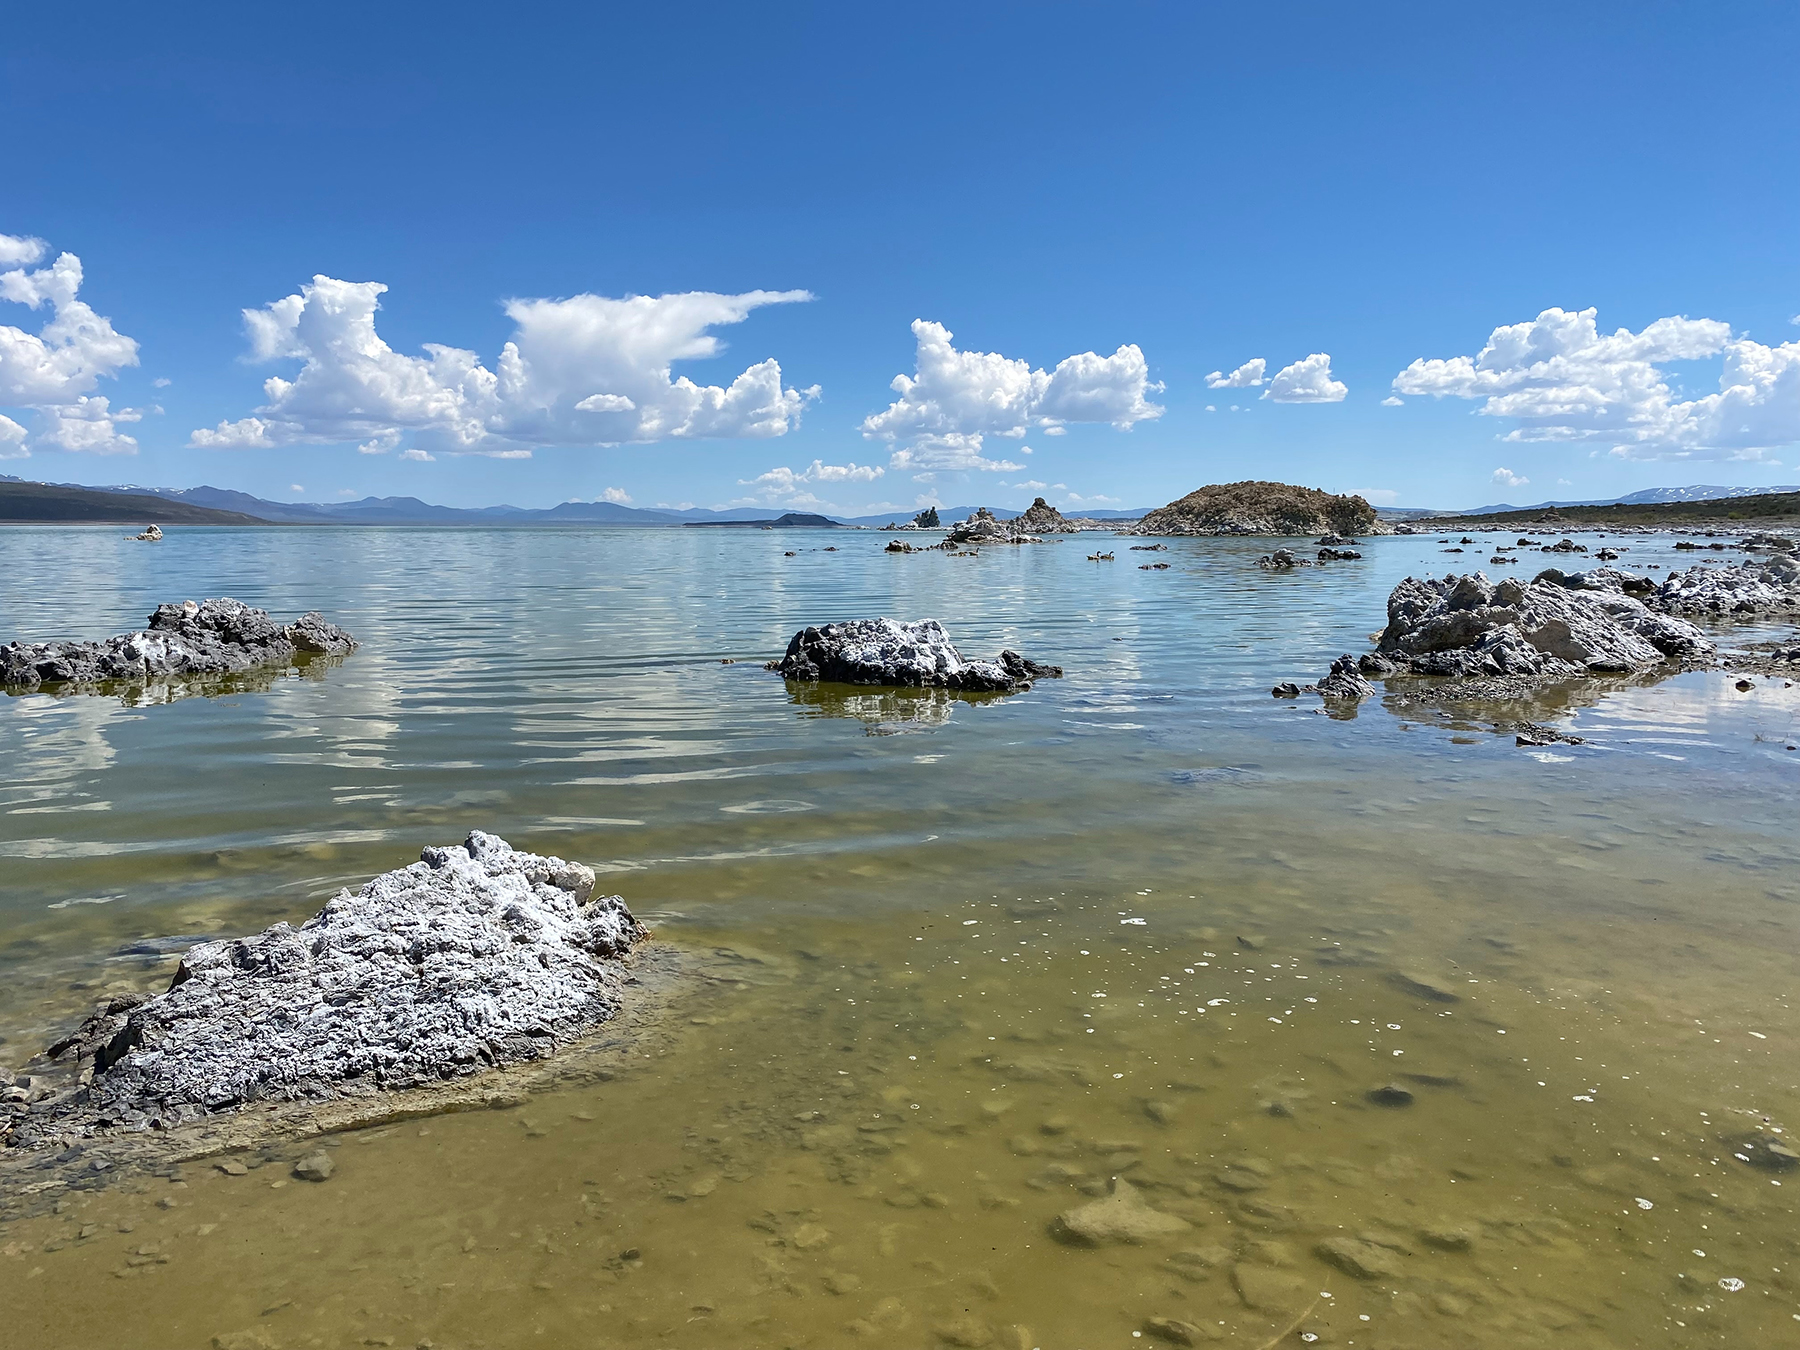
x: 415, y: 511
x: 1696, y: 492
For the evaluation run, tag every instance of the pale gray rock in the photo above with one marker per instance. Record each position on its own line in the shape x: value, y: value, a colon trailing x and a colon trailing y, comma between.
x: 212, y: 637
x: 887, y: 652
x: 315, y: 1166
x: 984, y: 528
x: 1755, y: 586
x: 476, y: 956
x: 1468, y: 627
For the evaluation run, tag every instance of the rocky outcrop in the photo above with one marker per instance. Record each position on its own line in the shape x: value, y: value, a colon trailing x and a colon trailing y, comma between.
x: 474, y: 957
x: 1041, y: 518
x: 1755, y: 586
x: 214, y: 637
x: 1263, y: 508
x: 1345, y: 681
x: 883, y: 651
x: 985, y: 528
x: 1468, y: 627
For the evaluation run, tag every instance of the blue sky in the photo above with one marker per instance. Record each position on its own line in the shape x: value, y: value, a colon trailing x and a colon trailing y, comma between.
x: 1177, y: 189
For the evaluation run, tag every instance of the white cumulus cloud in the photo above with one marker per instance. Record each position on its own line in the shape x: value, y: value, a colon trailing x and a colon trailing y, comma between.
x: 794, y: 487
x: 587, y: 370
x: 54, y: 370
x: 418, y: 456
x: 1376, y: 496
x: 1247, y: 376
x: 12, y: 439
x: 20, y: 250
x: 1504, y: 477
x: 954, y: 400
x: 1564, y: 380
x: 1306, y: 381
x: 617, y: 496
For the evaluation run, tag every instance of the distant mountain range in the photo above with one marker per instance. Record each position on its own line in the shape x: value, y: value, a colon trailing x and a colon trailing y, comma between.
x: 412, y: 511
x: 1698, y: 492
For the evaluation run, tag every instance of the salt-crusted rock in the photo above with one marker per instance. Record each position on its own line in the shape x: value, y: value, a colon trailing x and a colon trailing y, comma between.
x: 1467, y: 626
x: 883, y: 651
x: 475, y: 956
x: 215, y: 637
x: 1755, y: 586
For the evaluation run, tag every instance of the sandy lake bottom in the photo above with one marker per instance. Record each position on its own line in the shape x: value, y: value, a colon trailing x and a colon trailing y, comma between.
x: 1425, y: 1039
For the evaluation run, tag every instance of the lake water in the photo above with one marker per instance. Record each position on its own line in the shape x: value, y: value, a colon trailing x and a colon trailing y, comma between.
x: 1141, y: 922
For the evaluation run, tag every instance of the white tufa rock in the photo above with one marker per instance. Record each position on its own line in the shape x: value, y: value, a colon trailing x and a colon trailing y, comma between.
x: 476, y: 956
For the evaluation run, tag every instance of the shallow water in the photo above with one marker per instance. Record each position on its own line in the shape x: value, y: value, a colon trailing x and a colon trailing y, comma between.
x: 986, y: 942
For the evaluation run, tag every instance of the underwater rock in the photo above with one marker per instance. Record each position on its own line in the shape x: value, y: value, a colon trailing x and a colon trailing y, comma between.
x: 1353, y: 1256
x: 1122, y: 1216
x: 884, y: 651
x: 214, y: 637
x: 476, y: 956
x: 315, y: 1166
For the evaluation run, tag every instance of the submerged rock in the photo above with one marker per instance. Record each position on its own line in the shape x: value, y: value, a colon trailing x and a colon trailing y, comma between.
x: 475, y: 956
x: 1123, y: 1216
x: 884, y: 651
x: 1467, y: 626
x: 1357, y: 1258
x: 214, y: 637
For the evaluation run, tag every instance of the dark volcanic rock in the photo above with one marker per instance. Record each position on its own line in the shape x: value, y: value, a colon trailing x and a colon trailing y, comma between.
x: 215, y: 637
x: 1345, y: 681
x: 476, y: 956
x: 883, y: 651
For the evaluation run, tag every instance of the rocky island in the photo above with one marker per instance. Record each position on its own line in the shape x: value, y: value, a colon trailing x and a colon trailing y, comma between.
x: 1256, y: 508
x: 212, y: 637
x: 887, y: 652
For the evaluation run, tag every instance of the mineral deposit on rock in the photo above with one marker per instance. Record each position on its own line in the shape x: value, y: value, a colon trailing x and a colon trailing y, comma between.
x: 1467, y: 626
x: 475, y: 956
x: 884, y: 651
x: 1755, y: 586
x: 214, y: 637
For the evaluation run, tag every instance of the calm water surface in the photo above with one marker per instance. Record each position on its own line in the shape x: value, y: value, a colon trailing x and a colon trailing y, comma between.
x: 1143, y: 922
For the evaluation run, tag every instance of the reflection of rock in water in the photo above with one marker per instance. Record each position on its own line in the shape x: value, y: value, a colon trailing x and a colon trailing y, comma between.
x: 1509, y: 705
x: 144, y: 693
x: 885, y: 712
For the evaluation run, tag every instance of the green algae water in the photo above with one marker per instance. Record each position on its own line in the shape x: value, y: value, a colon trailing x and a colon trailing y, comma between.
x: 1425, y: 1039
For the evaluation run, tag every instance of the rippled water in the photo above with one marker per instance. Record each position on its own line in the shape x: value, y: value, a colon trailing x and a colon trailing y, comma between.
x: 1143, y: 922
